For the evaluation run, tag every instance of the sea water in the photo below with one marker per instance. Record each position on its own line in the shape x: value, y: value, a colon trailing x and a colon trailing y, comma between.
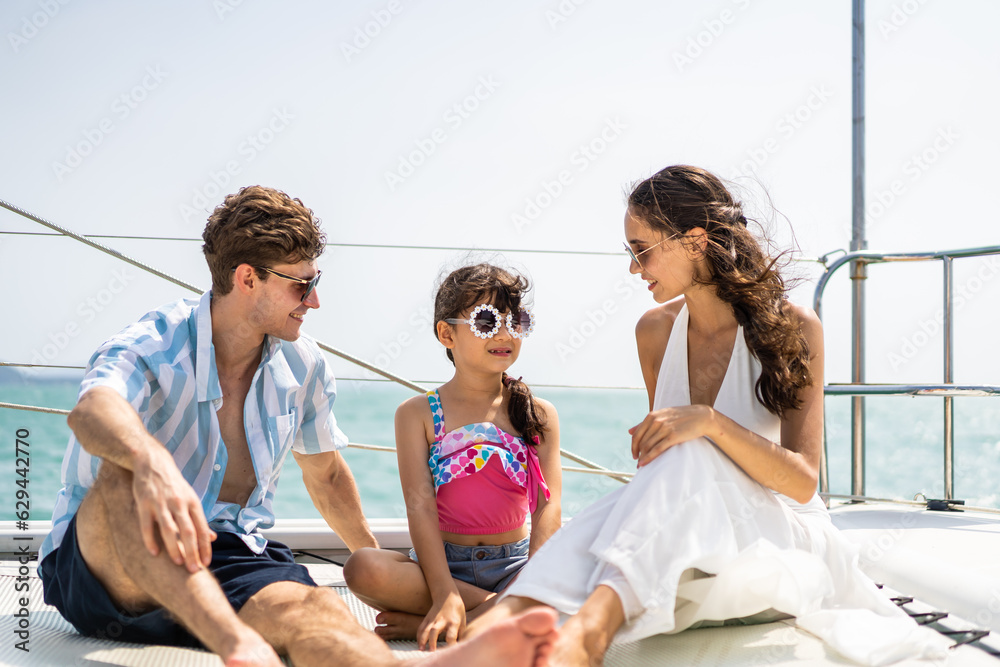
x: 904, y: 445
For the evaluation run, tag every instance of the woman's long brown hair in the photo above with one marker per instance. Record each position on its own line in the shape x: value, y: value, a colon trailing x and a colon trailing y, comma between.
x: 681, y: 198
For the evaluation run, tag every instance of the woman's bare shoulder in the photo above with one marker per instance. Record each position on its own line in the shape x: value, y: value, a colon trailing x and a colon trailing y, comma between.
x: 656, y: 323
x: 807, y: 320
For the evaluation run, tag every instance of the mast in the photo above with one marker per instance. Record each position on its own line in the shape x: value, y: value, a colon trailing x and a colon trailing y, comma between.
x: 858, y: 242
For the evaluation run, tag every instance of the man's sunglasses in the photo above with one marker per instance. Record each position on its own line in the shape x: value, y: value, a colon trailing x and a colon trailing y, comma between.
x: 309, y: 284
x: 485, y: 322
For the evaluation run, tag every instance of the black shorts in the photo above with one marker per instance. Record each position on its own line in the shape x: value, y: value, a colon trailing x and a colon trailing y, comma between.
x: 69, y: 586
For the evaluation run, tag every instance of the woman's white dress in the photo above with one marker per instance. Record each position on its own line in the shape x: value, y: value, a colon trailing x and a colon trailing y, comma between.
x: 692, y: 540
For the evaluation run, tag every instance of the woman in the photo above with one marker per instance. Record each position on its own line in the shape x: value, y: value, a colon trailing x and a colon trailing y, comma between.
x: 722, y: 520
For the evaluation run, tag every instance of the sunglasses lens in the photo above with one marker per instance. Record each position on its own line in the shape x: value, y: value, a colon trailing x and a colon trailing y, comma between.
x: 485, y: 322
x: 522, y: 321
x: 311, y: 286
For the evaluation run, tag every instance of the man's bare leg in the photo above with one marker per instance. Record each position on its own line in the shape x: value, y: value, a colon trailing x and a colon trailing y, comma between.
x: 315, y: 628
x: 138, y: 582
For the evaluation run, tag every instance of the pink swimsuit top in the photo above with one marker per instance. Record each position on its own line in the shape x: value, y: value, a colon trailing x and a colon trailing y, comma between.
x: 486, y: 479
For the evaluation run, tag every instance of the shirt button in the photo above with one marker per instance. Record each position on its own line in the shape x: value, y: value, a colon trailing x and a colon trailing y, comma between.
x: 217, y: 467
x: 480, y: 555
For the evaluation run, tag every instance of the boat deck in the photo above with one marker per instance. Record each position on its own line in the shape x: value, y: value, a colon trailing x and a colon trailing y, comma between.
x: 944, y: 559
x: 53, y: 642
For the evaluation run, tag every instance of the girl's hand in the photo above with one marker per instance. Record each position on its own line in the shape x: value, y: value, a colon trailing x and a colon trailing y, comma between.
x: 664, y: 428
x: 445, y: 619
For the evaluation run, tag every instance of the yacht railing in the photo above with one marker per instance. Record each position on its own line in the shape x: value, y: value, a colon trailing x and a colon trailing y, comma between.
x: 859, y: 389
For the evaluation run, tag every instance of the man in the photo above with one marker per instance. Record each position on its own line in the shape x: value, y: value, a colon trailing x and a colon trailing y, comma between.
x: 183, y: 423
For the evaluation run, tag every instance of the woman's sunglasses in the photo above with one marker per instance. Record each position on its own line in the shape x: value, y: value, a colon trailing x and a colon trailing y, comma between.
x: 485, y: 322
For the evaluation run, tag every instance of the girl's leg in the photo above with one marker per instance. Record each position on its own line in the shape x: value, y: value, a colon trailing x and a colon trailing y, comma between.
x: 395, y: 585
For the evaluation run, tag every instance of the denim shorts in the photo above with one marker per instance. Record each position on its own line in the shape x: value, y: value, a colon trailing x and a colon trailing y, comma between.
x: 69, y: 586
x: 488, y: 567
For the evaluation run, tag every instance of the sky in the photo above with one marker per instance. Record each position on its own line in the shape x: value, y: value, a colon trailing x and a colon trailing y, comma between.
x: 428, y: 134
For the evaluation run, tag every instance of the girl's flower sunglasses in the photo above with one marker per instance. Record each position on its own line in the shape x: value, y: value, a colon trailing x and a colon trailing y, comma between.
x: 485, y: 322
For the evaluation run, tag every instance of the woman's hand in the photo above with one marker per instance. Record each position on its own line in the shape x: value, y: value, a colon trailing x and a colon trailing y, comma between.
x: 445, y: 619
x: 664, y: 428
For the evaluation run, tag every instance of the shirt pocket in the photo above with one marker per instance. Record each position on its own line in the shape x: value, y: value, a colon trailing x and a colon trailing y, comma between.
x: 281, y: 433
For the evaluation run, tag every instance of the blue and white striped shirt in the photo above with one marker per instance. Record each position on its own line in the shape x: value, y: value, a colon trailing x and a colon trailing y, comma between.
x: 164, y: 366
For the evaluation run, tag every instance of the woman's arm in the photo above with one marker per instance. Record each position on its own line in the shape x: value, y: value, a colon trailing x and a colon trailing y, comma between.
x: 447, y: 614
x: 791, y: 468
x: 547, y: 517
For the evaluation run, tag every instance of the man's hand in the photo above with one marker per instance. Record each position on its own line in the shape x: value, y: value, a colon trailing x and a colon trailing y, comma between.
x: 165, y: 500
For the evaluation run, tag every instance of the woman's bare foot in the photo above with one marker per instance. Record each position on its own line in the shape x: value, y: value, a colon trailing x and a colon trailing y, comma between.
x: 570, y: 650
x: 497, y: 613
x: 526, y: 640
x: 397, y: 625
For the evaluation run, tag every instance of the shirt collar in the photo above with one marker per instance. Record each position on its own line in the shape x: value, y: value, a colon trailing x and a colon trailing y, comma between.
x: 206, y: 374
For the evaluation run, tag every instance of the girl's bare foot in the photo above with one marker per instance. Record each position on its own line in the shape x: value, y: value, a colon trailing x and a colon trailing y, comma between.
x: 525, y: 640
x: 397, y: 625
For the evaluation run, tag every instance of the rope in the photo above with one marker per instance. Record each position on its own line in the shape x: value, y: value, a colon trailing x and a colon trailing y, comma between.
x: 344, y: 378
x: 622, y: 476
x: 33, y: 408
x: 181, y: 283
x: 381, y: 246
x: 189, y: 286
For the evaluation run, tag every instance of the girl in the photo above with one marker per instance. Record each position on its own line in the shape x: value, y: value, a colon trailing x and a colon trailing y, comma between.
x: 721, y: 520
x: 476, y: 455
